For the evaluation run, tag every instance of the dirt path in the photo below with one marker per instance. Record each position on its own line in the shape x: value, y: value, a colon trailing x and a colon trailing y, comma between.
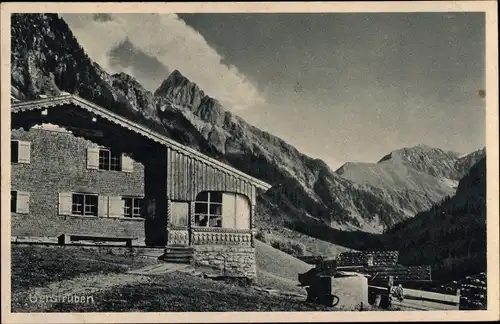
x: 84, y: 288
x: 158, y: 269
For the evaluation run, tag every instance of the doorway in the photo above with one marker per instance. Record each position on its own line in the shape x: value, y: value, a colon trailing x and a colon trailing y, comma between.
x: 178, y: 224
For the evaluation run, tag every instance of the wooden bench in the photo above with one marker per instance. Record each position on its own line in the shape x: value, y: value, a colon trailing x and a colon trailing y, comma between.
x: 68, y: 238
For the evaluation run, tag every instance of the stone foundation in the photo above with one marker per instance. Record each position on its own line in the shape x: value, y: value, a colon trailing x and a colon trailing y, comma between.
x: 238, y: 261
x: 136, y: 251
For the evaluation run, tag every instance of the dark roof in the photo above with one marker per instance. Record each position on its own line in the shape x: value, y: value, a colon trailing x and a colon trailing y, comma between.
x: 398, y: 272
x: 361, y: 258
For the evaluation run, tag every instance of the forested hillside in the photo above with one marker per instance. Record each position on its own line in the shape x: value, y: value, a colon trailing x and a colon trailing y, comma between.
x: 451, y: 236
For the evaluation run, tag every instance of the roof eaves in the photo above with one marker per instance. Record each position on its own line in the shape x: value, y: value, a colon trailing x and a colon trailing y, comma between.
x: 124, y: 122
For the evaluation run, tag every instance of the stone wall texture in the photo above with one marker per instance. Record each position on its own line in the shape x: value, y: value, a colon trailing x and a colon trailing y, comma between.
x: 59, y: 164
x: 238, y: 261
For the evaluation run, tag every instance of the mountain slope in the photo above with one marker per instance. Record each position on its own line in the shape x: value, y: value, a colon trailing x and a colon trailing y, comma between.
x: 451, y: 236
x: 465, y: 162
x: 46, y: 59
x: 413, y: 178
x: 278, y: 270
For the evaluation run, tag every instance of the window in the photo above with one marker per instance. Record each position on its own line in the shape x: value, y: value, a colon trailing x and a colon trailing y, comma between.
x: 218, y: 209
x: 106, y: 159
x: 13, y: 201
x: 14, y: 152
x: 20, y: 151
x: 81, y: 204
x: 132, y: 207
x: 84, y: 204
x: 109, y: 160
x: 208, y: 209
x: 19, y: 202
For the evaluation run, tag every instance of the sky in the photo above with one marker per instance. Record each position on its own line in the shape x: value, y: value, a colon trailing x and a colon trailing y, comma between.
x: 343, y: 87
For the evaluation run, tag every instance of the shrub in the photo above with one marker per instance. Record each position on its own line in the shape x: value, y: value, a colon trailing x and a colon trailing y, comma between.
x: 290, y: 247
x: 287, y: 246
x: 261, y: 236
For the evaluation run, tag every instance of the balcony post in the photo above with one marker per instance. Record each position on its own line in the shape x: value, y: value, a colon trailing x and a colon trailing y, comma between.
x: 191, y: 221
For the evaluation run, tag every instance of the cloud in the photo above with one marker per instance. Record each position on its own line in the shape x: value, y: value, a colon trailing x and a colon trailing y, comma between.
x: 173, y: 43
x: 146, y: 69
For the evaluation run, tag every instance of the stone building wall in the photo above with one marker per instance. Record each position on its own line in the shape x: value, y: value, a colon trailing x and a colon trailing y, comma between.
x: 58, y: 163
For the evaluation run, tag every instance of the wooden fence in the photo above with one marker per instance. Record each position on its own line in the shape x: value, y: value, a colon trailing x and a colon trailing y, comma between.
x: 398, y: 297
x: 379, y: 275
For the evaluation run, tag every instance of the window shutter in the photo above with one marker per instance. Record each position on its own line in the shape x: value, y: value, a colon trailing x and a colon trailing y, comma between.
x: 179, y: 213
x: 242, y: 212
x: 65, y: 203
x: 23, y: 202
x: 116, y: 206
x: 24, y: 152
x: 92, y: 158
x: 127, y: 164
x: 102, y: 206
x: 228, y: 210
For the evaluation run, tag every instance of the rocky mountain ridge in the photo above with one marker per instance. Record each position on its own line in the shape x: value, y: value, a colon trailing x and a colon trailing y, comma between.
x: 414, y: 178
x: 46, y: 59
x: 423, y: 158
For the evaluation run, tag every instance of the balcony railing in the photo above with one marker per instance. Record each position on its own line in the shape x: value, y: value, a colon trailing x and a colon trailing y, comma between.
x: 220, y: 236
x: 178, y: 236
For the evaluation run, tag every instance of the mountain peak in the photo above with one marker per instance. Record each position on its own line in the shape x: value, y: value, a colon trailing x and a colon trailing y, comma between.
x: 176, y: 73
x: 423, y: 146
x: 419, y: 148
x: 177, y: 78
x: 179, y: 92
x: 173, y: 81
x: 424, y: 158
